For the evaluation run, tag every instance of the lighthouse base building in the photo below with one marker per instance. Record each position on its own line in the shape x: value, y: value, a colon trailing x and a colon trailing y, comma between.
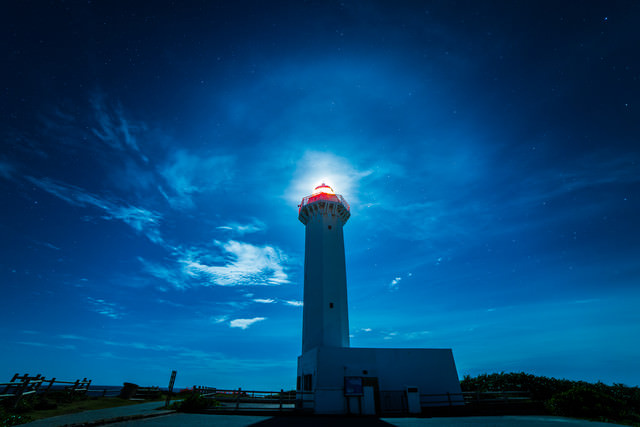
x: 370, y: 381
x: 334, y: 378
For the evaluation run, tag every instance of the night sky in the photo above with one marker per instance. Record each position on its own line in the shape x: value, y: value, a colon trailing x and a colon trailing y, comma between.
x: 153, y: 158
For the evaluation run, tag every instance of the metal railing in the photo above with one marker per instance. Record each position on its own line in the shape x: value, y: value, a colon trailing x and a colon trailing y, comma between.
x: 323, y: 196
x: 249, y: 400
x: 391, y: 401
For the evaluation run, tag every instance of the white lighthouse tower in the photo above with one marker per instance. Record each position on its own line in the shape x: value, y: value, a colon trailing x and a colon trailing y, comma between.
x: 325, y: 315
x: 334, y: 378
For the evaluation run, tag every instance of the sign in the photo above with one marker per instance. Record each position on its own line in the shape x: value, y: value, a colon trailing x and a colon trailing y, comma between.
x: 353, y: 386
x: 171, y: 382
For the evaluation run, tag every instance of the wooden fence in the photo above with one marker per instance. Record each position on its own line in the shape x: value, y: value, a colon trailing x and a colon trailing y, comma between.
x: 24, y: 385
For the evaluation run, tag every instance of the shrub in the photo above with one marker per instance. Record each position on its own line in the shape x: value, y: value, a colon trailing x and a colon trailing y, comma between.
x: 584, y: 401
x: 7, y: 419
x: 194, y: 403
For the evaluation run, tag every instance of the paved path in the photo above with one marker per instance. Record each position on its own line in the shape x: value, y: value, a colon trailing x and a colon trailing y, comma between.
x: 147, y: 415
x: 140, y: 410
x: 198, y: 420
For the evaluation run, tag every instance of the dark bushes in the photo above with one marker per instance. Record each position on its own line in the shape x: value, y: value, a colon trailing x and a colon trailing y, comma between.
x: 578, y: 399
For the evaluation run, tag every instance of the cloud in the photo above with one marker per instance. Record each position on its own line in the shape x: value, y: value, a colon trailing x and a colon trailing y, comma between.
x: 264, y: 300
x: 241, y: 229
x: 245, y: 323
x: 219, y: 319
x: 39, y: 344
x: 294, y: 303
x: 105, y: 308
x: 188, y: 174
x: 390, y: 336
x: 174, y: 276
x: 395, y: 284
x: 140, y: 219
x: 6, y: 169
x: 50, y: 246
x: 71, y: 337
x: 246, y: 265
x: 416, y: 335
x: 113, y: 128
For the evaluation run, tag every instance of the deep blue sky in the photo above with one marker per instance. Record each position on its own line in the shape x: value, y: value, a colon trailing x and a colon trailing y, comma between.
x: 153, y: 158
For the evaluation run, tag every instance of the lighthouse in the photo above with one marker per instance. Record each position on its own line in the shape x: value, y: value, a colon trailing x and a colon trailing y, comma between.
x: 335, y: 378
x: 325, y: 319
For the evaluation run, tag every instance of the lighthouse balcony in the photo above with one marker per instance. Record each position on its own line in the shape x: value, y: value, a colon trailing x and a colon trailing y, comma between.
x: 337, y: 198
x: 328, y: 204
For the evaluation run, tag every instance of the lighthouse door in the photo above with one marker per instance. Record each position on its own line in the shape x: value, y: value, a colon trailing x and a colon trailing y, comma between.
x: 368, y: 400
x: 370, y: 392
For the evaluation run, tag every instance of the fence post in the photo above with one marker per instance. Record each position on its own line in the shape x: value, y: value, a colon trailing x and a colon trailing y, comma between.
x: 238, y: 398
x: 9, y: 385
x: 51, y: 381
x: 281, y: 393
x: 39, y: 378
x: 21, y: 389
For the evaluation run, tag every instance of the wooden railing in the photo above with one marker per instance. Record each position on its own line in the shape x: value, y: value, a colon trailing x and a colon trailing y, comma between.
x: 24, y: 385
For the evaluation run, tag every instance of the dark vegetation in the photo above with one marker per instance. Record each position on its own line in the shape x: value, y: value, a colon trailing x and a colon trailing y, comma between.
x: 193, y: 402
x: 34, y: 407
x: 599, y: 402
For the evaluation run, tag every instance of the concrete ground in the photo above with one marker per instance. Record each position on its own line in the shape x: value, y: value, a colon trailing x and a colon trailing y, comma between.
x: 148, y: 415
x: 197, y: 420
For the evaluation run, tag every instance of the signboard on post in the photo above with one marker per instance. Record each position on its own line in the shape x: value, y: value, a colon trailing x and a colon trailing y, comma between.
x: 353, y: 386
x: 171, y: 382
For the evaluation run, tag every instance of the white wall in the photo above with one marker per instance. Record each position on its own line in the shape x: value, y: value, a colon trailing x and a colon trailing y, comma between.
x: 433, y: 371
x: 325, y: 312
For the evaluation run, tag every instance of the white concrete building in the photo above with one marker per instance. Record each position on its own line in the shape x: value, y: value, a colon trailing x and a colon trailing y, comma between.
x: 334, y: 378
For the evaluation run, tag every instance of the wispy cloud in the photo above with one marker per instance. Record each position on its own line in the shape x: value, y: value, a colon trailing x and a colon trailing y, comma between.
x: 140, y: 219
x: 294, y: 303
x: 245, y: 323
x: 48, y: 345
x: 49, y: 245
x: 71, y: 337
x: 6, y: 169
x: 390, y: 336
x: 246, y: 265
x: 219, y: 319
x: 395, y: 284
x: 113, y: 128
x: 264, y: 300
x: 241, y: 229
x: 188, y: 174
x: 174, y: 276
x: 105, y: 308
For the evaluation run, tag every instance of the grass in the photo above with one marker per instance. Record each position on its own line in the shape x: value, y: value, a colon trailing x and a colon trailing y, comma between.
x: 80, y: 405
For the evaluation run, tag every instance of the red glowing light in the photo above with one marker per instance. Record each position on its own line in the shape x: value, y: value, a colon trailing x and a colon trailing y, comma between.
x: 323, y: 188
